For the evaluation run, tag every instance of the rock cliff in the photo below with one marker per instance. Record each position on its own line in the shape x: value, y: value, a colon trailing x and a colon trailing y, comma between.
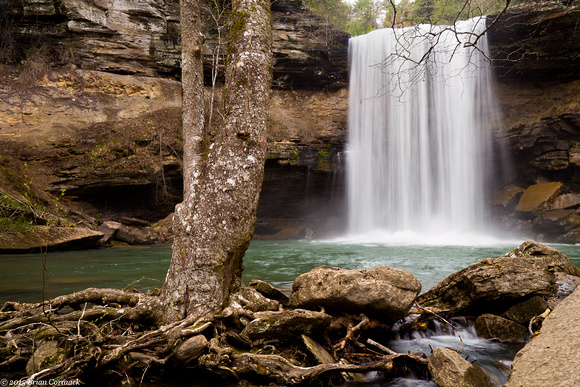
x: 105, y: 131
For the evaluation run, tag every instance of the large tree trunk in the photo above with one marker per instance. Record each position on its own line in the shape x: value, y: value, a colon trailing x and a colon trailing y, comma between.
x: 223, y: 165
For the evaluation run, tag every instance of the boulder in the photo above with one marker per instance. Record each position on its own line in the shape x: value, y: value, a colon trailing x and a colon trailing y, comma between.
x: 491, y: 283
x: 188, y: 351
x: 49, y: 238
x: 494, y: 327
x: 544, y: 258
x: 570, y: 200
x: 558, y: 221
x: 553, y: 357
x: 269, y: 291
x: 507, y: 197
x: 109, y: 229
x: 449, y: 369
x: 539, y: 197
x: 286, y: 324
x: 523, y: 312
x: 134, y: 235
x: 382, y: 291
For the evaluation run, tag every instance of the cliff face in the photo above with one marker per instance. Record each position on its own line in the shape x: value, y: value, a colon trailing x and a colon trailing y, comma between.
x: 142, y: 37
x: 536, y: 55
x: 106, y: 132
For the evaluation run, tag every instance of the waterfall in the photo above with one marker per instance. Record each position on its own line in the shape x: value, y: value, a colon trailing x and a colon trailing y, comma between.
x: 419, y: 133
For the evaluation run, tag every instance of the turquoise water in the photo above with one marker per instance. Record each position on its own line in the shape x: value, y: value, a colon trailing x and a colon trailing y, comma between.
x: 277, y: 262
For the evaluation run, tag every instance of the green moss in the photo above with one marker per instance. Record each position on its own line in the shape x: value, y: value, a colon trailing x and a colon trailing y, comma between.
x: 237, y: 24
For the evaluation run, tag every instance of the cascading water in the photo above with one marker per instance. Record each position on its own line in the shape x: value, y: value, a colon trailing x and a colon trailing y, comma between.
x: 419, y: 133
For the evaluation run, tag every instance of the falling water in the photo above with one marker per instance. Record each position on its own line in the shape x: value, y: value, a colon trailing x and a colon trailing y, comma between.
x: 419, y: 130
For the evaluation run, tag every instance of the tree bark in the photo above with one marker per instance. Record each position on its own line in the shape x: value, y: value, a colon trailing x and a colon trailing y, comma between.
x: 223, y: 165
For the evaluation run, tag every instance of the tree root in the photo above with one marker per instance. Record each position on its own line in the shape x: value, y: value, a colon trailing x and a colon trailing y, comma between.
x: 114, y: 334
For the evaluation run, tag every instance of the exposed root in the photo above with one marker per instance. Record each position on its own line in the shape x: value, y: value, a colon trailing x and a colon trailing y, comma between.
x: 116, y: 335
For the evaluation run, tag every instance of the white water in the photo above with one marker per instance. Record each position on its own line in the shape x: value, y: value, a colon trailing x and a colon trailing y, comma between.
x: 419, y: 135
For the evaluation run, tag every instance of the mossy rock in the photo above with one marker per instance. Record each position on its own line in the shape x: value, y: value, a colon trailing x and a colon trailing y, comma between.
x: 46, y: 355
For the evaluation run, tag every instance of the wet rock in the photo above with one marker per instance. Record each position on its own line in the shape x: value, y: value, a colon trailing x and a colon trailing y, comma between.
x: 49, y: 238
x: 553, y: 357
x: 551, y: 161
x: 449, y: 369
x: 494, y: 327
x: 188, y: 351
x: 286, y: 324
x: 381, y: 291
x: 482, y: 286
x: 523, y: 312
x: 269, y: 291
x: 538, y: 197
x: 507, y: 198
x: 544, y: 258
x: 570, y: 200
x: 558, y: 221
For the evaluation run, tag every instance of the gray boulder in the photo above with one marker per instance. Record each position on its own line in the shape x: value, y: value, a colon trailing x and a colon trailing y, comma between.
x: 553, y: 357
x: 501, y: 282
x: 382, y: 291
x: 449, y: 369
x: 498, y: 328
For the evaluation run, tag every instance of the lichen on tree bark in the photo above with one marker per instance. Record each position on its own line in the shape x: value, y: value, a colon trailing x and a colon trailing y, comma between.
x: 223, y: 171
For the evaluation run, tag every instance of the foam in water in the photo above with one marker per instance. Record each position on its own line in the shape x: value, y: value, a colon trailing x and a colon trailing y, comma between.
x: 419, y: 150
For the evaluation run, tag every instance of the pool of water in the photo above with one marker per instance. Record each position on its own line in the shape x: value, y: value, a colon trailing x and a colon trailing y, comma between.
x: 277, y: 262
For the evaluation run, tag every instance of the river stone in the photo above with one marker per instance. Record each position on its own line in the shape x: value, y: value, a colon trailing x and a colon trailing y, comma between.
x: 523, y: 312
x: 286, y: 324
x: 381, y: 291
x: 49, y: 238
x: 269, y: 291
x: 494, y: 327
x: 449, y: 369
x: 494, y: 282
x: 188, y: 351
x: 538, y: 197
x: 553, y: 357
x: 544, y: 258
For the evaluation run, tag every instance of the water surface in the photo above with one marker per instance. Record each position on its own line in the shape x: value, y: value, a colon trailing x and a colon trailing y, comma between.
x: 277, y: 262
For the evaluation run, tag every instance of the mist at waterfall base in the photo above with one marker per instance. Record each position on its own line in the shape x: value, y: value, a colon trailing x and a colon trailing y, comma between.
x: 421, y: 156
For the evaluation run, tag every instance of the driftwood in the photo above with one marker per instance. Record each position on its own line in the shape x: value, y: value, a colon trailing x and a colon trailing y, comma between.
x: 118, y: 334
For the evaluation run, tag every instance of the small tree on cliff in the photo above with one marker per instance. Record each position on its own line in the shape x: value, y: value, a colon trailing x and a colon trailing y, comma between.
x: 223, y: 164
